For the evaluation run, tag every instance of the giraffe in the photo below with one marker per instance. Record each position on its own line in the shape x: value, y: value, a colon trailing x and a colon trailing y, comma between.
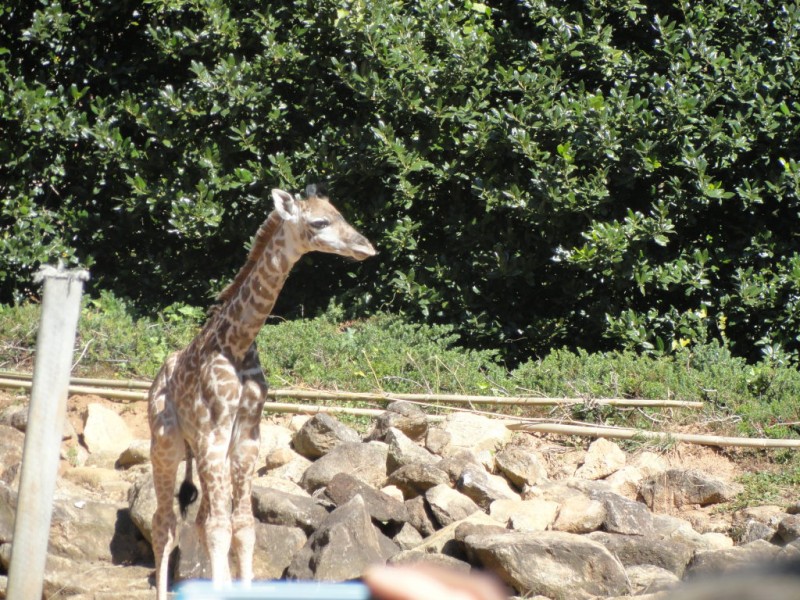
x: 206, y: 400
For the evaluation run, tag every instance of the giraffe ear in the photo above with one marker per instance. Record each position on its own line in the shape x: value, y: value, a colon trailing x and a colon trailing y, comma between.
x: 285, y: 205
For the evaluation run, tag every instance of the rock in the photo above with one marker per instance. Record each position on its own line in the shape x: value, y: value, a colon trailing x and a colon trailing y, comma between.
x: 142, y: 501
x: 280, y: 484
x: 550, y: 563
x: 321, y: 434
x: 751, y: 530
x: 137, y: 453
x: 717, y: 541
x: 273, y: 437
x: 442, y: 561
x: 393, y: 492
x: 455, y: 463
x: 279, y: 508
x: 715, y: 562
x: 278, y: 457
x: 448, y: 505
x: 420, y: 515
x: 104, y: 431
x: 403, y: 451
x: 409, y: 418
x: 623, y: 515
x: 671, y: 555
x: 11, y: 444
x: 521, y: 466
x: 437, y: 440
x: 484, y: 488
x: 293, y: 470
x: 77, y: 525
x: 417, y: 478
x: 525, y: 515
x: 789, y: 528
x: 365, y: 461
x: 580, y: 514
x: 648, y: 579
x: 625, y: 482
x: 276, y: 545
x: 677, y: 487
x: 447, y: 541
x: 107, y: 481
x: 649, y: 463
x: 408, y: 537
x: 474, y: 432
x: 18, y: 419
x: 382, y: 508
x: 8, y: 508
x: 341, y: 548
x: 602, y: 459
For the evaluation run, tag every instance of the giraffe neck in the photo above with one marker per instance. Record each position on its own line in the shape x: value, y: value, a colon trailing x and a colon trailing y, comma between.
x: 249, y: 300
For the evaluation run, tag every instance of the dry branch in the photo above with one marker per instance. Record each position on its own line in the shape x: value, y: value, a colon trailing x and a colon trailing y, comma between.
x: 625, y: 433
x: 108, y: 385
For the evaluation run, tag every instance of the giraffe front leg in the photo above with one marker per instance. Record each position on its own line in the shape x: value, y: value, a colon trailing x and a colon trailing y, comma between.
x: 165, y: 464
x: 244, y: 533
x: 214, y: 517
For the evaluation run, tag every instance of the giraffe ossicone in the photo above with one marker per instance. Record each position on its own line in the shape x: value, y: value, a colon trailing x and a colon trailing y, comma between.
x: 206, y: 401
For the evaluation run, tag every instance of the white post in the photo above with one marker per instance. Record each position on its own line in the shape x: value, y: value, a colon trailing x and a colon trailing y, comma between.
x: 46, y: 413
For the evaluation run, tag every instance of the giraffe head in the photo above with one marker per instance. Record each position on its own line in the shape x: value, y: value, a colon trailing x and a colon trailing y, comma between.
x: 315, y: 224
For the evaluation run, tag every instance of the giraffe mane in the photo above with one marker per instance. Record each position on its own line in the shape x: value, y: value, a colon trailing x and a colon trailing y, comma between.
x: 262, y: 237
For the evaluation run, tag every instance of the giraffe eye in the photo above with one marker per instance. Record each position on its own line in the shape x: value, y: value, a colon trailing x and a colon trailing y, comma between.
x: 319, y: 223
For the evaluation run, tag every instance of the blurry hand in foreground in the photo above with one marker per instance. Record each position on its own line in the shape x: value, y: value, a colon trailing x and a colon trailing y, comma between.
x: 421, y: 582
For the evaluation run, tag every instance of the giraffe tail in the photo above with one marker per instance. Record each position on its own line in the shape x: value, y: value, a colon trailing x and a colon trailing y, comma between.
x: 188, y: 492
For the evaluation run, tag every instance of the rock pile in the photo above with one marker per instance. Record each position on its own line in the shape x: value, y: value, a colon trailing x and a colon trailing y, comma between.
x: 548, y: 520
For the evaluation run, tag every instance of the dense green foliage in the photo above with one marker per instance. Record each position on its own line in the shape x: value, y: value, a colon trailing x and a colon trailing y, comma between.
x: 537, y: 174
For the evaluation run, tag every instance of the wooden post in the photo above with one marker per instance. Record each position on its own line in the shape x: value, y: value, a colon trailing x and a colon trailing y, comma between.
x: 46, y: 413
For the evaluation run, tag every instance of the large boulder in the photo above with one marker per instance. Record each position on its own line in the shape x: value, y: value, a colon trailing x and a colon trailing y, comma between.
x: 290, y: 510
x: 475, y: 432
x: 550, y: 563
x: 417, y: 478
x: 404, y: 451
x: 405, y: 416
x: 105, y: 432
x: 449, y: 505
x: 365, y: 461
x: 321, y: 434
x: 484, y: 488
x: 341, y: 548
x: 521, y: 466
x: 381, y: 507
x: 675, y: 488
x: 602, y: 459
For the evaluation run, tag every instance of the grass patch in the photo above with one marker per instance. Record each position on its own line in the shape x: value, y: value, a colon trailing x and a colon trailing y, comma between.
x: 385, y: 353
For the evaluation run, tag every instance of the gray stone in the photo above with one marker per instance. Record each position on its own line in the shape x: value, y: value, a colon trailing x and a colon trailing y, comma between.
x: 433, y: 559
x: 382, y: 508
x: 521, y: 466
x: 8, y: 507
x: 343, y: 546
x: 475, y: 432
x: 455, y: 463
x: 580, y: 514
x: 447, y: 541
x: 525, y: 515
x: 420, y: 516
x: 484, y: 488
x: 321, y: 434
x: 293, y: 470
x: 675, y: 488
x: 789, y: 528
x: 671, y: 555
x: 449, y: 505
x: 715, y: 562
x: 104, y: 431
x: 405, y: 416
x: 623, y: 515
x: 417, y: 478
x: 365, y: 461
x: 137, y: 453
x: 11, y: 444
x: 404, y: 451
x: 602, y: 459
x: 408, y: 537
x: 752, y: 530
x: 279, y: 508
x: 551, y: 563
x: 649, y: 579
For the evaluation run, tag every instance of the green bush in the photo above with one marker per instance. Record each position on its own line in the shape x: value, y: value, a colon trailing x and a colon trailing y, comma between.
x: 536, y: 174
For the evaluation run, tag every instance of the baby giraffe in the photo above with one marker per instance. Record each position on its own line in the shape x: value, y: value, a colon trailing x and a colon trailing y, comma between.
x: 206, y: 401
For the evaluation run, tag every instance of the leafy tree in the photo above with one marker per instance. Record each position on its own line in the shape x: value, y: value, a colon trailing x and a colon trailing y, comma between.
x: 597, y: 174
